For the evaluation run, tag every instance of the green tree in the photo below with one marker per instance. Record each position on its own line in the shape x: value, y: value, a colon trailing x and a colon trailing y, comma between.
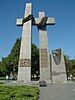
x: 10, y: 63
x: 70, y: 66
x: 6, y: 65
x: 1, y: 74
x: 35, y: 61
x: 14, y: 54
x: 67, y: 64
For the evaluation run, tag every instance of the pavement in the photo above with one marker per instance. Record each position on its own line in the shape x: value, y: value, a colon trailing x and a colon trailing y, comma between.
x: 17, y: 83
x: 58, y: 91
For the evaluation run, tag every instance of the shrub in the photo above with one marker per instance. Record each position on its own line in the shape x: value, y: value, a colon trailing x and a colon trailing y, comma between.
x: 18, y: 92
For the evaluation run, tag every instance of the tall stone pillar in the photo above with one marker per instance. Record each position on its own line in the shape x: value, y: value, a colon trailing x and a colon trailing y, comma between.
x: 43, y: 52
x: 24, y: 69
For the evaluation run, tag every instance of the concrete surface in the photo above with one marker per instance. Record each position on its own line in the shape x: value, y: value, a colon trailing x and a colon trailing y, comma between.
x: 58, y: 91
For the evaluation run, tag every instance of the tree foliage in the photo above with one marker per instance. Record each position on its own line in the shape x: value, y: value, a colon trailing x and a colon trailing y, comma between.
x: 70, y: 66
x: 10, y: 63
x: 35, y: 60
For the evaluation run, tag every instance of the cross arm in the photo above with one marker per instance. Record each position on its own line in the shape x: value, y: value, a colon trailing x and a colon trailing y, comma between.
x: 19, y: 22
x: 50, y: 21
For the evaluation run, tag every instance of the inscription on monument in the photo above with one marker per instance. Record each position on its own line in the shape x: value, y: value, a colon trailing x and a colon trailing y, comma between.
x: 25, y: 62
x: 44, y: 58
x: 54, y: 73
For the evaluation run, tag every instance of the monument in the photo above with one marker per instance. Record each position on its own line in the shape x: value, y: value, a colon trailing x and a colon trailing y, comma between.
x: 50, y: 65
x: 58, y: 66
x: 24, y: 69
x: 44, y: 58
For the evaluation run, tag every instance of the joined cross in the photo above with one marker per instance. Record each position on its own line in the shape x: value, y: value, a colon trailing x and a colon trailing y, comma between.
x: 50, y: 20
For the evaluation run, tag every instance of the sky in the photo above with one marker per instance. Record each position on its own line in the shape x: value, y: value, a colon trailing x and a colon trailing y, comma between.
x: 61, y: 35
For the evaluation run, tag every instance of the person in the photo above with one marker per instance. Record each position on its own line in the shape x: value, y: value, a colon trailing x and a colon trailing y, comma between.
x: 7, y: 78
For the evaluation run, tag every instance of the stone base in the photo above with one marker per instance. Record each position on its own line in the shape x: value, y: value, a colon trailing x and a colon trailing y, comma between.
x: 45, y: 74
x: 59, y: 78
x: 24, y: 74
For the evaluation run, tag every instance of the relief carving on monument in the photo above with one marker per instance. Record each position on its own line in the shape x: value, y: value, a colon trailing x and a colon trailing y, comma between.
x: 44, y: 58
x: 57, y: 56
x: 25, y: 62
x: 54, y: 73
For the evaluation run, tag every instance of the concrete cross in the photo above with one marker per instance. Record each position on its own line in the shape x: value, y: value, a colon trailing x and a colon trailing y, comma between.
x: 50, y: 21
x: 44, y: 56
x: 24, y: 69
x: 25, y: 50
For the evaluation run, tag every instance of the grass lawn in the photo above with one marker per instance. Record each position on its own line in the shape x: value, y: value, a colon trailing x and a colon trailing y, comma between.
x: 18, y: 92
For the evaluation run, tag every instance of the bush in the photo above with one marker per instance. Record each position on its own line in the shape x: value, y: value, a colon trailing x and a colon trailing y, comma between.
x: 18, y: 92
